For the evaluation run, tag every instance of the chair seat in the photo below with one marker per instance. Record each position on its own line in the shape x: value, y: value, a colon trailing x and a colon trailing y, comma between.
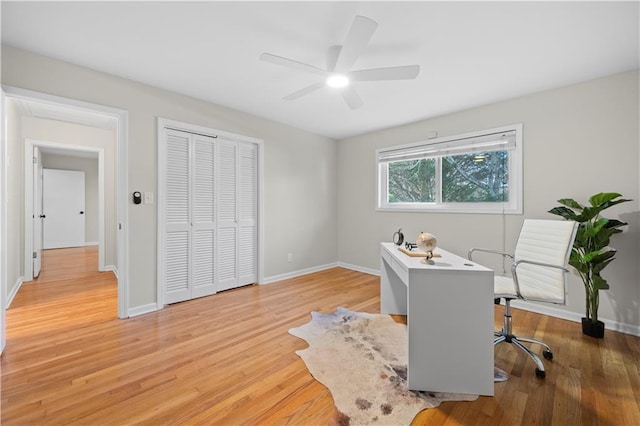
x: 504, y: 287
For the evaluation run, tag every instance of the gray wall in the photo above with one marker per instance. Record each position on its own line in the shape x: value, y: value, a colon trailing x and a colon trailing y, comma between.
x: 15, y: 204
x: 300, y: 167
x: 578, y: 140
x: 90, y: 168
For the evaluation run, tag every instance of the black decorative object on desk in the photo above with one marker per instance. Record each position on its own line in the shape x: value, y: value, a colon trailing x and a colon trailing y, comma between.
x: 410, y: 246
x: 398, y: 237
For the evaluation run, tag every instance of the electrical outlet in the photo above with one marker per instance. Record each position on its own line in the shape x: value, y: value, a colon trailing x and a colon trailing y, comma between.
x: 290, y: 257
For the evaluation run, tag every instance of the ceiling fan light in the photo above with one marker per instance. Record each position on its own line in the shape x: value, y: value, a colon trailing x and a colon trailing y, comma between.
x: 337, y: 80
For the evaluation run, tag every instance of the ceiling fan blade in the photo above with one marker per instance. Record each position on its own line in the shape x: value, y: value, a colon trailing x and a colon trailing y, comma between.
x: 351, y: 97
x: 359, y: 35
x: 332, y: 57
x: 392, y: 73
x: 290, y: 63
x: 306, y: 90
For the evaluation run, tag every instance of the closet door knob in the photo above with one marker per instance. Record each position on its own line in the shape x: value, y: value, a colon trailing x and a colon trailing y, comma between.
x: 81, y: 212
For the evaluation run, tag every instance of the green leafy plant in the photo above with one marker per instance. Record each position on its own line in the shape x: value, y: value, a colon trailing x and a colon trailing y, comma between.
x: 591, y: 252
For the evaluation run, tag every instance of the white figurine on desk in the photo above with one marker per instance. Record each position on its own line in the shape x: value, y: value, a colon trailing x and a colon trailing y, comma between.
x: 427, y: 243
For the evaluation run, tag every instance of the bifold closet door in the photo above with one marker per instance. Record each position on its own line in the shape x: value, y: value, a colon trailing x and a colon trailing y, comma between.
x: 237, y: 213
x: 248, y: 214
x: 177, y: 227
x: 203, y: 241
x: 209, y: 210
x: 227, y: 214
x: 189, y: 216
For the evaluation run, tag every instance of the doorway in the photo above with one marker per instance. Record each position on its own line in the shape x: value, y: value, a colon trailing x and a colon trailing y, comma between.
x: 35, y: 218
x: 120, y: 228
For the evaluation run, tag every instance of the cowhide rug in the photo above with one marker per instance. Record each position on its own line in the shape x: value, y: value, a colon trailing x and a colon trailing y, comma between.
x: 362, y: 359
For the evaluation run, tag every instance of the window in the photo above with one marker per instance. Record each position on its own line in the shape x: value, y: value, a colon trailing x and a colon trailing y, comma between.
x: 478, y: 172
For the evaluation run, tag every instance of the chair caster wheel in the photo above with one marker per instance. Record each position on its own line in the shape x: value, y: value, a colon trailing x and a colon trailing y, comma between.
x: 540, y: 373
x: 547, y: 354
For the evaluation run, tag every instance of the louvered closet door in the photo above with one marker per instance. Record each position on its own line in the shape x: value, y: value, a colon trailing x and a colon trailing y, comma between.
x: 203, y: 217
x: 176, y: 216
x: 248, y: 213
x: 227, y: 214
x: 210, y: 209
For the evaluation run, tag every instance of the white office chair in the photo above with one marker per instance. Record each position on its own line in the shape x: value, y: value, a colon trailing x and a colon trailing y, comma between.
x: 538, y: 273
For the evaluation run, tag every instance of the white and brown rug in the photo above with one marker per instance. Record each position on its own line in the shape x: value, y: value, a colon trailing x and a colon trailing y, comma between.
x: 362, y: 359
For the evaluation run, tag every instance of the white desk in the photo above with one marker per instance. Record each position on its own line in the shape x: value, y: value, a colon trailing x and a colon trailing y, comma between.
x: 449, y: 308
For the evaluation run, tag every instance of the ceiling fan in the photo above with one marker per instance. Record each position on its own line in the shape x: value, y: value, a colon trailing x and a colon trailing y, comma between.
x: 341, y: 58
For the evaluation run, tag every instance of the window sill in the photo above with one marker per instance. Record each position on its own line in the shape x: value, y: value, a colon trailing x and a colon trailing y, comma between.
x: 450, y: 209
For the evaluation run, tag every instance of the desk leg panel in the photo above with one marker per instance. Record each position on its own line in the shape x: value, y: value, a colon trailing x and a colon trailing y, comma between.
x: 393, y: 291
x: 450, y: 331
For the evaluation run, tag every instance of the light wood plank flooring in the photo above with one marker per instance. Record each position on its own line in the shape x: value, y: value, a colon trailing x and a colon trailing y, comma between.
x: 228, y: 359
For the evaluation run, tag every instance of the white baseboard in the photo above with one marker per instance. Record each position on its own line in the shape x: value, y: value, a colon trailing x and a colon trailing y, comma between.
x: 359, y: 268
x: 14, y: 291
x: 575, y: 317
x: 143, y: 309
x: 112, y: 268
x: 298, y: 273
x: 92, y: 243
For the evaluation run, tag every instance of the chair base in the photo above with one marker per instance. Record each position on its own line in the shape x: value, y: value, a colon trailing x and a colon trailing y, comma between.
x: 506, y: 335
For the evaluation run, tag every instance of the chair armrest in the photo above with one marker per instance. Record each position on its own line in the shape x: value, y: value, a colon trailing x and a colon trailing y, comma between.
x: 531, y: 262
x: 470, y: 252
x: 514, y: 270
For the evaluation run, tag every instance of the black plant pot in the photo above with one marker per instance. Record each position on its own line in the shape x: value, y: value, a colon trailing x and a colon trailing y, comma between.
x: 594, y: 330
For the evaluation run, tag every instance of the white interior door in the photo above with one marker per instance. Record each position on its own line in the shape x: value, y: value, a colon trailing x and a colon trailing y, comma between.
x: 63, y: 207
x: 38, y: 215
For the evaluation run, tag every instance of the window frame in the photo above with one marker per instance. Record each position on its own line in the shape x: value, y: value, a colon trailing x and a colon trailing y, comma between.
x: 513, y: 206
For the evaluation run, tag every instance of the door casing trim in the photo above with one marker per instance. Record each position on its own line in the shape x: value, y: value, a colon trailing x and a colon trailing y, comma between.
x: 121, y: 172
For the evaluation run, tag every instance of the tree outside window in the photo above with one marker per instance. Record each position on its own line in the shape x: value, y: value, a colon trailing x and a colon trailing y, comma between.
x: 412, y: 181
x: 479, y: 177
x: 475, y: 172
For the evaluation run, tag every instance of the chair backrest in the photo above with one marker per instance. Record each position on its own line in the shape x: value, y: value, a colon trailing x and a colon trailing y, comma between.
x: 549, y: 242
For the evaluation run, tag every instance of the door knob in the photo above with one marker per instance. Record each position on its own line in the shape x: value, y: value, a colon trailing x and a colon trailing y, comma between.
x: 81, y: 212
x: 42, y: 216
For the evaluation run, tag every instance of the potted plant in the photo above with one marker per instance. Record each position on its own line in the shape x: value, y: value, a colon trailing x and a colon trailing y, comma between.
x: 591, y: 252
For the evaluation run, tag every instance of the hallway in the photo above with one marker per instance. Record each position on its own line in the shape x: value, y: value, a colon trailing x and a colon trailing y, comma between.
x: 69, y: 294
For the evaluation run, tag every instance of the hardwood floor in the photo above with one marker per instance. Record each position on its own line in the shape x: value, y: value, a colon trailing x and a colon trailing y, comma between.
x: 228, y: 359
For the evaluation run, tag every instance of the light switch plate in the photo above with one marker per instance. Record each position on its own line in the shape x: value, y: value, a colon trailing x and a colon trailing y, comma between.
x: 148, y: 197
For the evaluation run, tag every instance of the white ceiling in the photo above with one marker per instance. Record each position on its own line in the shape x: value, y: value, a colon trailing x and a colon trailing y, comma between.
x: 470, y: 53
